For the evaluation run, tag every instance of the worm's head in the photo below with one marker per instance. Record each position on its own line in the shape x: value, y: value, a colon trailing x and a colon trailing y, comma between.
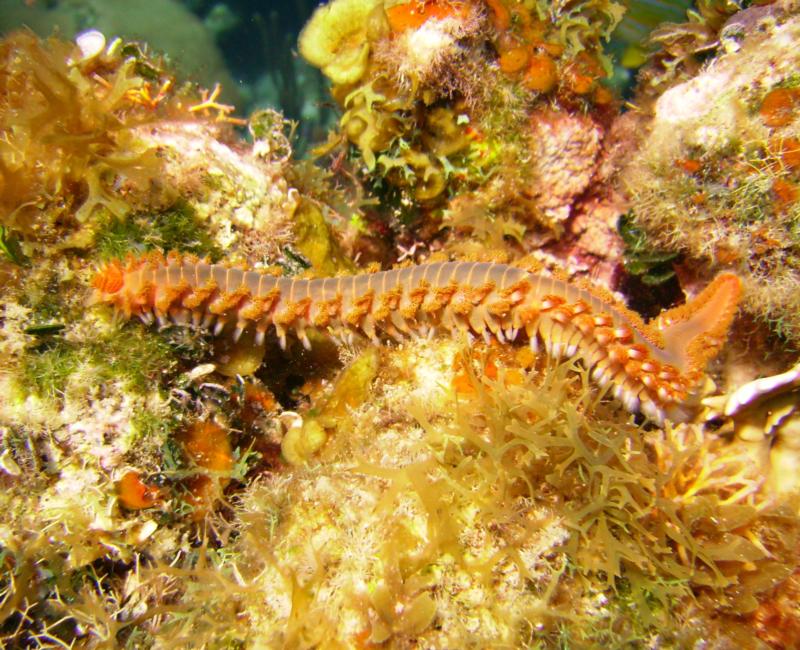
x: 107, y: 282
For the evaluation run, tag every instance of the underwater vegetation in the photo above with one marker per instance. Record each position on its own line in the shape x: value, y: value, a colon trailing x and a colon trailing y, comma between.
x: 73, y: 148
x: 498, y: 104
x: 477, y: 448
x: 167, y: 26
x: 104, y: 153
x: 506, y: 511
x: 716, y: 176
x: 124, y: 142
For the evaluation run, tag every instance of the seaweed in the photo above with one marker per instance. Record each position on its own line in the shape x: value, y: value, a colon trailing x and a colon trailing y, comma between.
x: 45, y: 371
x: 68, y: 127
x: 661, y: 514
x: 176, y: 228
x: 134, y: 356
x: 10, y: 247
x: 652, y: 266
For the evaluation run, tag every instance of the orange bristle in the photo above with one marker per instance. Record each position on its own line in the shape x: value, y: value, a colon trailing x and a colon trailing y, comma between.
x: 109, y: 279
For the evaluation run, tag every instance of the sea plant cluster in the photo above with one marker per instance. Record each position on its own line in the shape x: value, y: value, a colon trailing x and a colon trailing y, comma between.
x: 716, y: 176
x: 79, y: 110
x: 442, y: 99
x: 163, y: 487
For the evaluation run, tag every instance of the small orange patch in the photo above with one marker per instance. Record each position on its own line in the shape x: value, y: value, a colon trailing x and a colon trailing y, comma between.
x: 763, y: 241
x: 514, y: 59
x: 541, y: 74
x: 698, y: 198
x: 491, y: 364
x: 414, y: 14
x: 785, y: 192
x: 206, y: 444
x: 689, y: 165
x: 256, y: 401
x: 779, y: 106
x: 256, y: 394
x: 490, y: 367
x: 790, y: 153
x: 133, y: 494
x: 602, y: 95
x: 501, y: 18
x: 462, y: 384
x: 582, y: 72
x: 776, y: 620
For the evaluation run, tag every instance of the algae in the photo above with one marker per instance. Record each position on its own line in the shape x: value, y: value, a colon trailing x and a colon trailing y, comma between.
x: 314, y: 240
x: 177, y: 228
x: 162, y: 490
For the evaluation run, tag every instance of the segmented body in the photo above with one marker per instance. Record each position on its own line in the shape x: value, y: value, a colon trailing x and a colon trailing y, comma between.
x: 653, y: 368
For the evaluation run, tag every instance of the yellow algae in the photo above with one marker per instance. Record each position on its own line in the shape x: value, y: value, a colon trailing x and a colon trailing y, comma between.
x: 332, y: 411
x: 350, y: 390
x: 314, y: 239
x: 242, y: 357
x: 302, y: 441
x: 335, y: 39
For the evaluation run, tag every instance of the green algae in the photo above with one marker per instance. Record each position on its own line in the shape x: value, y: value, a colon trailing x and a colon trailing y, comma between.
x: 177, y: 228
x: 140, y: 358
x: 45, y: 371
x: 10, y: 247
x: 148, y: 425
x: 134, y: 356
x: 652, y: 266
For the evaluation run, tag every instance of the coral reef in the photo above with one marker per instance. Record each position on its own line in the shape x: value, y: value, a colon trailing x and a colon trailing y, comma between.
x: 554, y: 471
x: 77, y: 116
x: 75, y: 128
x: 716, y: 175
x: 457, y: 107
x: 127, y: 152
x: 105, y: 153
